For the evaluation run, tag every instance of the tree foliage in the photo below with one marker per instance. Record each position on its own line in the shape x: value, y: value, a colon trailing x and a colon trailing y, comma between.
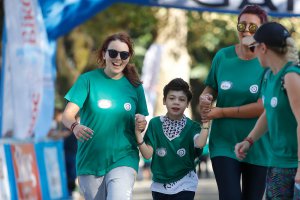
x: 208, y: 32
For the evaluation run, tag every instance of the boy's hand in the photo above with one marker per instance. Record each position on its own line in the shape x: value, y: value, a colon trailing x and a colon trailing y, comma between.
x: 140, y: 122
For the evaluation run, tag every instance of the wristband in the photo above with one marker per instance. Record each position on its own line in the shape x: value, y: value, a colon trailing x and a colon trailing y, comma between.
x: 139, y: 144
x: 73, y: 126
x: 204, y: 127
x: 249, y: 140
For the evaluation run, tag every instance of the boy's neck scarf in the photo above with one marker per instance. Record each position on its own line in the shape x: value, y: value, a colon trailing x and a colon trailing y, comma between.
x: 173, y: 128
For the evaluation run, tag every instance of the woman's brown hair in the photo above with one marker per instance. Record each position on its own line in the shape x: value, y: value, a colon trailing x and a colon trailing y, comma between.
x: 129, y: 71
x: 255, y: 10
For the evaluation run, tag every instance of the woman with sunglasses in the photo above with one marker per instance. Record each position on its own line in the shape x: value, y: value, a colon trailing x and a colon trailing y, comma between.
x: 110, y: 100
x: 234, y: 83
x: 276, y: 49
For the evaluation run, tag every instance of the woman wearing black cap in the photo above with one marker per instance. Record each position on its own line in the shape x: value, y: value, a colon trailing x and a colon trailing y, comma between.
x: 276, y: 49
x: 234, y: 81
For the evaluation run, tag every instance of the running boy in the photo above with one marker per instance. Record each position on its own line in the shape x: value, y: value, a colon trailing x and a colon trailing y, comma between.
x: 173, y: 142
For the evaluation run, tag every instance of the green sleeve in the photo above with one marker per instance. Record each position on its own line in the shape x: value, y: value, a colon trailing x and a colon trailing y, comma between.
x: 290, y: 69
x: 149, y: 135
x: 79, y: 91
x: 211, y: 79
x: 196, y: 130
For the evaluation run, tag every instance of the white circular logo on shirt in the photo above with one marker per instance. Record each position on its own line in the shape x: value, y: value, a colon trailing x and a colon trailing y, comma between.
x: 226, y: 85
x: 162, y: 152
x: 104, y: 103
x: 274, y: 102
x: 253, y: 89
x: 127, y: 106
x: 181, y: 152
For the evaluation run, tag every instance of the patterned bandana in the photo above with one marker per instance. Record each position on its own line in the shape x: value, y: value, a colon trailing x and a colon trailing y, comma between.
x: 172, y: 128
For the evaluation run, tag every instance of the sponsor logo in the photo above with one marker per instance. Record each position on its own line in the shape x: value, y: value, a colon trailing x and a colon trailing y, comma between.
x: 274, y: 102
x: 181, y: 152
x: 161, y: 152
x: 127, y: 106
x: 253, y: 89
x: 226, y: 85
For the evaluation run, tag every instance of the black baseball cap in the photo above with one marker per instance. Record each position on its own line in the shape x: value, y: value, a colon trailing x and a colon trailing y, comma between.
x: 271, y: 33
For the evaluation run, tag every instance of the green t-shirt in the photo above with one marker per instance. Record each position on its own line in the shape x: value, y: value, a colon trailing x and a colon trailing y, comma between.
x: 107, y: 106
x: 171, y: 159
x: 281, y: 120
x: 238, y: 82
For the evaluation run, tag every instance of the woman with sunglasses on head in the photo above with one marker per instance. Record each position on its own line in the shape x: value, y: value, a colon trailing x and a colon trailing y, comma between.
x: 111, y: 101
x: 276, y: 50
x: 234, y: 83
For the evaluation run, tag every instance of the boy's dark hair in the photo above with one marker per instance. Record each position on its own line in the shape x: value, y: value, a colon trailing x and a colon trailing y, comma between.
x: 178, y: 84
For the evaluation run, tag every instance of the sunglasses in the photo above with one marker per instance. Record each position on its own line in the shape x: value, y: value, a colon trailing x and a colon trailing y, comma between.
x: 242, y: 26
x: 114, y: 53
x: 252, y: 47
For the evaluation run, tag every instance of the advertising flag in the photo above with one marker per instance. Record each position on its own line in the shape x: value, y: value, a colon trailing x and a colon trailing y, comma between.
x: 26, y: 171
x: 26, y: 55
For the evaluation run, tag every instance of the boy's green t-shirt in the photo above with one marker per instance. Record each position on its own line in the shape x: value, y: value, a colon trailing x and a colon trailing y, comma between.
x: 108, y: 107
x: 237, y: 82
x: 171, y: 160
x: 281, y: 120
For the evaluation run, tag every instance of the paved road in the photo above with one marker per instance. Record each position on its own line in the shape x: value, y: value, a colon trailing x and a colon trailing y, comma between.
x: 207, y: 190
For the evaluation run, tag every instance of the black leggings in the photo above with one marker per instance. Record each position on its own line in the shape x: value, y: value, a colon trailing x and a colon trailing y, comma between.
x: 228, y: 174
x: 184, y: 195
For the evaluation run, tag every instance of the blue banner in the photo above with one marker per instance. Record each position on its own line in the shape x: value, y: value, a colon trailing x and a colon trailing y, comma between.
x: 2, y: 91
x: 279, y: 8
x: 51, y: 164
x: 31, y: 169
x: 61, y: 16
x: 8, y: 189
